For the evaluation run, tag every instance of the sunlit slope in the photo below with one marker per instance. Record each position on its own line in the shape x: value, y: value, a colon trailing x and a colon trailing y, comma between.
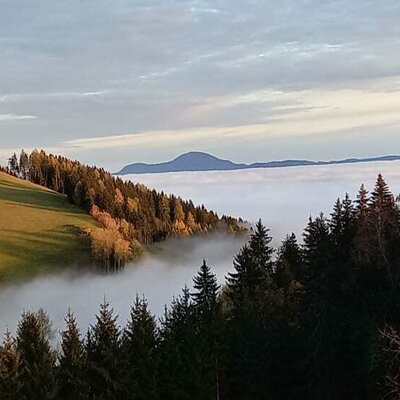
x: 39, y: 229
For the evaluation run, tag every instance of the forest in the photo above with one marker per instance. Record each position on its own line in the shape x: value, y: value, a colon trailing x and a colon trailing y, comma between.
x: 315, y: 319
x: 130, y: 215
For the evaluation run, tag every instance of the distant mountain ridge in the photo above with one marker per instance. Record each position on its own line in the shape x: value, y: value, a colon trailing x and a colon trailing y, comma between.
x: 199, y: 161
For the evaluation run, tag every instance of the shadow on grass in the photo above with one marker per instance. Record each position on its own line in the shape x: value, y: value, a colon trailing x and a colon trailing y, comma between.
x: 45, y: 251
x: 36, y: 198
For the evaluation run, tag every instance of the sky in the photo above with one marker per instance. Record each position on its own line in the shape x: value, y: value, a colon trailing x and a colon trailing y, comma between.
x: 113, y: 82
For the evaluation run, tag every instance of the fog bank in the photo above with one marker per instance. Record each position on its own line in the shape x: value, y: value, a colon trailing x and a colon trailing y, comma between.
x: 283, y: 197
x: 159, y: 276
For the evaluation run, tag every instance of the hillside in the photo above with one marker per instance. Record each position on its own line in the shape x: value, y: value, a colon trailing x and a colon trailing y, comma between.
x: 198, y: 161
x: 39, y: 228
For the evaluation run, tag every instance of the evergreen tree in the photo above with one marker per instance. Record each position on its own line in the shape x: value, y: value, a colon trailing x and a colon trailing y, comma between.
x: 362, y: 201
x: 179, y: 377
x: 24, y: 165
x: 208, y: 330
x: 10, y: 369
x: 289, y: 265
x: 13, y: 164
x: 104, y: 356
x: 261, y: 250
x: 381, y: 198
x: 206, y: 290
x: 139, y: 352
x: 71, y: 384
x: 37, y: 358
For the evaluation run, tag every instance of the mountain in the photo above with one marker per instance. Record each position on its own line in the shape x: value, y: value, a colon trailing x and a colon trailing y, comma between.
x: 199, y: 161
x: 193, y: 161
x: 39, y: 228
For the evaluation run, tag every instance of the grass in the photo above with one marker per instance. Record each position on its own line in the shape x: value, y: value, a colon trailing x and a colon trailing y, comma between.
x: 39, y: 230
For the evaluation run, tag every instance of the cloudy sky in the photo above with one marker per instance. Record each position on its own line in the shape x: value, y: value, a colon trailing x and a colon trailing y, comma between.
x: 112, y: 81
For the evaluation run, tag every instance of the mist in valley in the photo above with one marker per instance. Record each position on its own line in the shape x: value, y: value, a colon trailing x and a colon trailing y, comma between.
x: 284, y: 198
x: 159, y: 275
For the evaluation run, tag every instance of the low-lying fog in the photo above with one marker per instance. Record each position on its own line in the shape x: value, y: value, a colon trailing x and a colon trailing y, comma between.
x: 159, y: 276
x: 284, y: 198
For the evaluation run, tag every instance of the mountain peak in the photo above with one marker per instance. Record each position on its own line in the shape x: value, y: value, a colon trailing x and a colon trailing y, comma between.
x: 200, y: 161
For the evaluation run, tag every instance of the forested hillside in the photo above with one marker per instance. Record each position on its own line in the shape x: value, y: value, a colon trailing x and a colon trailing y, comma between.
x: 131, y: 214
x: 318, y: 320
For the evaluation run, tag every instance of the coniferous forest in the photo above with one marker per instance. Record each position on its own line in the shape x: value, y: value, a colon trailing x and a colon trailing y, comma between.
x: 316, y: 319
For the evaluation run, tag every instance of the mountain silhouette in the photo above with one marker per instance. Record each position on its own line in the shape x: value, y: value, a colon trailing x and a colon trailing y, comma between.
x: 200, y: 161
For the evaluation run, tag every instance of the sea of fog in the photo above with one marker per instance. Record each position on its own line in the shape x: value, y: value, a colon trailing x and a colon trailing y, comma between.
x: 284, y: 198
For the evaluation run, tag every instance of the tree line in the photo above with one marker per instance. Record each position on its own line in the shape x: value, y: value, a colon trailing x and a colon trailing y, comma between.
x: 316, y: 320
x: 131, y: 214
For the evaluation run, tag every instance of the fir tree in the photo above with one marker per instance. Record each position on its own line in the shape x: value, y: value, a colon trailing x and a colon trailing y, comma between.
x: 10, y: 369
x: 104, y: 356
x: 13, y: 164
x: 288, y: 267
x: 37, y: 358
x: 179, y: 356
x: 206, y: 290
x: 139, y: 352
x: 208, y: 329
x: 71, y: 382
x: 381, y: 198
x: 261, y: 250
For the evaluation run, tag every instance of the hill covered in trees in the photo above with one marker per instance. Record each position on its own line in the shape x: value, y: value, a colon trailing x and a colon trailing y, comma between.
x: 318, y: 320
x: 39, y: 228
x: 131, y: 214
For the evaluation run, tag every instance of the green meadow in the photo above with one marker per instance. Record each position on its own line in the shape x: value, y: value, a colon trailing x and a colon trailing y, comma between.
x: 39, y: 230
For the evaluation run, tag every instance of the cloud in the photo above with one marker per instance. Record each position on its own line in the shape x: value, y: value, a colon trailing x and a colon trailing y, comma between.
x: 160, y: 276
x: 14, y: 117
x: 280, y: 113
x: 95, y: 70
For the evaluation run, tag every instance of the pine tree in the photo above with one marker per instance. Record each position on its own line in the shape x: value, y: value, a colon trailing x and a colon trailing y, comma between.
x: 13, y: 164
x: 104, y: 356
x: 37, y: 358
x: 260, y: 248
x: 384, y: 224
x: 381, y: 198
x: 179, y: 356
x: 342, y: 228
x: 206, y: 290
x: 10, y: 369
x: 289, y: 264
x: 205, y: 298
x: 71, y: 382
x: 24, y: 165
x: 139, y: 352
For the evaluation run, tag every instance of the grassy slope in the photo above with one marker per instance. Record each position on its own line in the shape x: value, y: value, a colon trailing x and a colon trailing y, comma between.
x: 39, y: 229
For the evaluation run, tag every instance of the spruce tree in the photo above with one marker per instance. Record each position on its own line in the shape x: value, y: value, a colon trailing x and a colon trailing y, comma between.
x: 289, y: 267
x: 10, y: 369
x: 179, y: 356
x: 261, y: 250
x: 205, y: 298
x: 71, y: 383
x: 34, y: 334
x: 206, y: 290
x: 381, y: 198
x: 104, y: 356
x: 139, y: 353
